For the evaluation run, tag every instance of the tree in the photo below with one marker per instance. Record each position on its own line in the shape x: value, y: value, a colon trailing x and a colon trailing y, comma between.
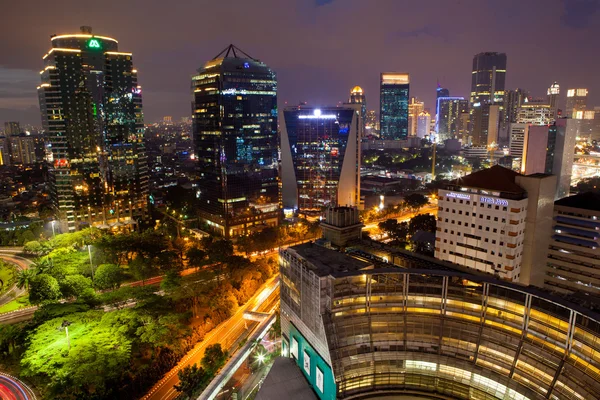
x: 191, y: 378
x: 171, y: 281
x: 74, y: 285
x: 43, y: 287
x: 415, y: 201
x: 24, y: 277
x: 423, y: 222
x: 196, y: 256
x: 32, y: 247
x: 108, y: 276
x: 141, y: 268
x: 214, y: 358
x: 98, y: 355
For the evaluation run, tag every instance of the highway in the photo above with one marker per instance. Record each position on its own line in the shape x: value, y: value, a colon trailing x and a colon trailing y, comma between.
x: 21, y: 263
x: 429, y: 209
x: 229, y: 334
x: 13, y: 389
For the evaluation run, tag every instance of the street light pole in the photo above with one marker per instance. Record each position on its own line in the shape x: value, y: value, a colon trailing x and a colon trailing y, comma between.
x: 91, y: 264
x: 52, y: 223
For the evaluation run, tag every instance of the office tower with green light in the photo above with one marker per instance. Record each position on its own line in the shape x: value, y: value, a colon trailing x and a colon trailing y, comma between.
x: 91, y: 108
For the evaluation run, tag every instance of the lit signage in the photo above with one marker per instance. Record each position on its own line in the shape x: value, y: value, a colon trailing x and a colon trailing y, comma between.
x: 94, y: 44
x: 317, y: 114
x: 491, y: 200
x: 459, y: 195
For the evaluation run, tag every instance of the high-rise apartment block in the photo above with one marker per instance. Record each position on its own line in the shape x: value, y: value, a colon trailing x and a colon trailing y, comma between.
x: 235, y: 138
x: 487, y: 90
x: 394, y: 96
x: 415, y: 107
x: 482, y: 221
x: 91, y: 108
x: 320, y: 157
x: 575, y: 247
x: 22, y: 149
x: 449, y: 119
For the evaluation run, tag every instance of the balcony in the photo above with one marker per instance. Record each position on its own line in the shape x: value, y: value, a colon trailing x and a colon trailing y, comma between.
x: 512, y: 234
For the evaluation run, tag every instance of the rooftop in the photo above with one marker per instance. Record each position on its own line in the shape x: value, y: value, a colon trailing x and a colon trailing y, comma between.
x: 285, y: 381
x: 496, y: 178
x: 586, y: 201
x: 324, y: 261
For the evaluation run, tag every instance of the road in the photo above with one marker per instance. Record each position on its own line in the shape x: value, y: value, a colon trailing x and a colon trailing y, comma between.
x: 228, y: 334
x: 21, y: 263
x: 13, y: 389
x: 429, y: 209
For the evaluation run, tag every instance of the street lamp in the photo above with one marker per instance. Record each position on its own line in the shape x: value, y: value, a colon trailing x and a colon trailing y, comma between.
x: 65, y: 324
x: 52, y: 223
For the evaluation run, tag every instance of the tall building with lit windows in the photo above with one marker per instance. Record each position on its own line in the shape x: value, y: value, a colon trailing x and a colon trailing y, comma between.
x: 448, y: 121
x: 234, y: 125
x: 357, y: 96
x: 575, y: 246
x: 488, y: 77
x: 497, y: 221
x: 576, y: 101
x: 394, y: 99
x: 415, y: 108
x: 91, y: 106
x: 320, y: 157
x: 357, y: 328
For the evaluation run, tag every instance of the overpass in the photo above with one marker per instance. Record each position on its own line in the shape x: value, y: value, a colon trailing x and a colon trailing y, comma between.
x: 219, y: 381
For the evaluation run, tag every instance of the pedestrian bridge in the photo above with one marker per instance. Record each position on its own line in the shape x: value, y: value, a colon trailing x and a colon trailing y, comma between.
x: 256, y: 316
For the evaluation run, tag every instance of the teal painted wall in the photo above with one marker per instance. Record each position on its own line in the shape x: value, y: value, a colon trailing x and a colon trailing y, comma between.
x: 329, y: 389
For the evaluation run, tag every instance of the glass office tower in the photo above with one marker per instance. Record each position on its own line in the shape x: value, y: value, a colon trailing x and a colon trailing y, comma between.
x: 449, y: 124
x: 320, y: 157
x: 487, y: 89
x: 91, y: 109
x: 235, y: 138
x: 394, y: 98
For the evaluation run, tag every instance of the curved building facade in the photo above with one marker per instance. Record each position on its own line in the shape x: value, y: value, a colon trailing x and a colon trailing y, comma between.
x: 438, y: 332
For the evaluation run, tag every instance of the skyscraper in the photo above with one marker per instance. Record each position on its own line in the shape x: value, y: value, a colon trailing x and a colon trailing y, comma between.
x: 91, y: 108
x: 320, y: 157
x: 423, y: 122
x: 553, y: 93
x: 358, y: 97
x: 415, y: 108
x: 448, y: 119
x: 576, y: 101
x: 512, y: 101
x: 394, y: 95
x: 12, y: 128
x: 487, y: 89
x: 235, y: 139
x: 440, y: 92
x: 535, y: 112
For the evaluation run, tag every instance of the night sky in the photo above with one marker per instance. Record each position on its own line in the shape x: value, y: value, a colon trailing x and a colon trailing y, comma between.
x: 320, y: 49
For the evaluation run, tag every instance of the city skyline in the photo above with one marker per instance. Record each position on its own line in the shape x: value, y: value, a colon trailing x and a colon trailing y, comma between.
x: 454, y: 39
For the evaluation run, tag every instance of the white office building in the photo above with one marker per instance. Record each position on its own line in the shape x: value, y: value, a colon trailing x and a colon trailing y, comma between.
x: 482, y: 219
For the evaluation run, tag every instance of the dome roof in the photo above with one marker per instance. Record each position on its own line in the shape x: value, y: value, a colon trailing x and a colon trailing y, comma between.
x: 357, y: 89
